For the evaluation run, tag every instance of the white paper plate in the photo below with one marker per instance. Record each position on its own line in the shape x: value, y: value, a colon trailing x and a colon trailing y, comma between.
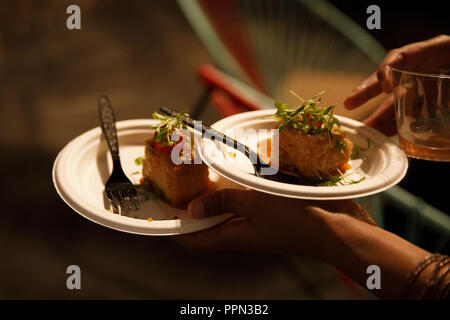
x: 383, y: 165
x: 83, y: 166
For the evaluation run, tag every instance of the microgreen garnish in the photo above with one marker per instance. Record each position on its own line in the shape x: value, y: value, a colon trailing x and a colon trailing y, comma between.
x: 340, y: 145
x: 340, y: 178
x: 308, y: 117
x: 138, y: 161
x: 167, y: 125
x: 357, y: 149
x: 145, y: 191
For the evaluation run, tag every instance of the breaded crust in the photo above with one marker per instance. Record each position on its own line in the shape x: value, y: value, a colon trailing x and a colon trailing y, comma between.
x: 313, y: 154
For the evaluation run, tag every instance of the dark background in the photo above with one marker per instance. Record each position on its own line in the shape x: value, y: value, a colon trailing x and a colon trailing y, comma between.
x: 143, y: 54
x: 402, y: 22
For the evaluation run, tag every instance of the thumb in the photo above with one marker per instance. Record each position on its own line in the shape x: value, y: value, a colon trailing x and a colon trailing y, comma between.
x: 222, y: 201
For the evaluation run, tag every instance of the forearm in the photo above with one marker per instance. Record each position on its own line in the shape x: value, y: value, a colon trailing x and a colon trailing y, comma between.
x: 351, y: 246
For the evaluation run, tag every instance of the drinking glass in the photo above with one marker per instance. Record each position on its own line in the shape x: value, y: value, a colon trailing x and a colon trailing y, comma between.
x: 422, y: 110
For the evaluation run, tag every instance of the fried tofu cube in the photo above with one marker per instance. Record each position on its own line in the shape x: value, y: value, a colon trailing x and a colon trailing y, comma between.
x: 179, y: 183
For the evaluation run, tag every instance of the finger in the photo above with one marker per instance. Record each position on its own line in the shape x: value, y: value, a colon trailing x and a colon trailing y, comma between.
x: 222, y: 201
x: 235, y: 234
x: 383, y: 115
x: 348, y: 207
x: 395, y: 58
x: 355, y: 210
x: 389, y: 129
x: 429, y: 53
x: 368, y: 89
x: 207, y: 205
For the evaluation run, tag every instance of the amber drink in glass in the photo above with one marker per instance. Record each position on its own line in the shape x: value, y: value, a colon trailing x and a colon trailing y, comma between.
x: 422, y: 109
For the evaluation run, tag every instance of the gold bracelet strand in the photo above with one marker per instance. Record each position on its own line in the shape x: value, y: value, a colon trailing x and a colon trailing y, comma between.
x: 431, y: 282
x: 413, y: 275
x: 441, y: 278
x: 446, y: 290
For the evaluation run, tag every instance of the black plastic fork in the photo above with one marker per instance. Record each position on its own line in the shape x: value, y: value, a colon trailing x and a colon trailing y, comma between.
x: 120, y: 192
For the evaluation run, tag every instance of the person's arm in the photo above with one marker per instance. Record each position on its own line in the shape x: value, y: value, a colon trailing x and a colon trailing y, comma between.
x: 425, y: 55
x: 355, y: 245
x: 340, y: 233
